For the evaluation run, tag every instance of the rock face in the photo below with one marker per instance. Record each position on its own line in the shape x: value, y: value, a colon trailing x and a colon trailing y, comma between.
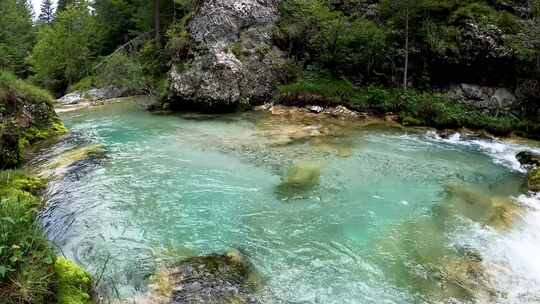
x: 233, y: 61
x: 76, y: 97
x: 485, y: 98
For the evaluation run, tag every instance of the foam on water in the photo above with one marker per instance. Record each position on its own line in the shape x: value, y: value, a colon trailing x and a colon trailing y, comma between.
x: 510, y: 257
x: 501, y: 152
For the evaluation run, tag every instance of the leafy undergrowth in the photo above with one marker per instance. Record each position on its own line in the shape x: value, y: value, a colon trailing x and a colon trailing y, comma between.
x: 26, y: 117
x: 29, y: 271
x: 413, y: 107
x: 26, y: 260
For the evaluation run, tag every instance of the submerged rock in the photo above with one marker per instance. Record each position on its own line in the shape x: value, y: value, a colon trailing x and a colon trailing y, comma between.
x: 299, y: 179
x: 497, y: 212
x: 214, y: 279
x: 528, y: 159
x: 63, y: 161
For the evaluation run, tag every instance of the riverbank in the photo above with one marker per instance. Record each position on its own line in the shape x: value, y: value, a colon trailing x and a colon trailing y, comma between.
x: 30, y: 271
x: 410, y: 107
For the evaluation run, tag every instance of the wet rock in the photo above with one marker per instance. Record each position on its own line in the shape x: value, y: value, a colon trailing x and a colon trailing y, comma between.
x: 315, y: 109
x: 498, y: 212
x: 216, y: 279
x: 299, y: 179
x: 534, y: 180
x: 342, y: 112
x: 465, y: 277
x: 95, y: 94
x: 63, y: 162
x: 264, y: 107
x: 528, y: 159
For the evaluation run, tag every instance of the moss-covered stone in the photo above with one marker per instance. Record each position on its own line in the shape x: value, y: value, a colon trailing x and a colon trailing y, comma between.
x: 73, y: 283
x: 300, y: 178
x: 534, y: 180
x: 26, y: 117
x: 218, y: 278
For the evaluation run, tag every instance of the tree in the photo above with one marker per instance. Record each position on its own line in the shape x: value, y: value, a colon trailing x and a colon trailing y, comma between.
x: 157, y: 22
x: 340, y: 43
x: 402, y: 13
x: 47, y: 12
x: 16, y: 35
x: 65, y: 50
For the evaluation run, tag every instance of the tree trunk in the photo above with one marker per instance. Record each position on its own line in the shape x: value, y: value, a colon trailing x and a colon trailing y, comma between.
x: 157, y: 24
x: 406, y: 68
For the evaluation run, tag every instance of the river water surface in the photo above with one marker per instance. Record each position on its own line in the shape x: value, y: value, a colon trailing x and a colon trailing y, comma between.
x: 381, y: 221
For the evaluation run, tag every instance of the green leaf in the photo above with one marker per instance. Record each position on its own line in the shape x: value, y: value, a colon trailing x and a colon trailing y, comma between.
x: 3, y: 271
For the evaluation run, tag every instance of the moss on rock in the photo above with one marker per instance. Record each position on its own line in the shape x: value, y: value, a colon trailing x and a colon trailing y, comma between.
x: 26, y: 117
x: 73, y: 283
x: 534, y: 180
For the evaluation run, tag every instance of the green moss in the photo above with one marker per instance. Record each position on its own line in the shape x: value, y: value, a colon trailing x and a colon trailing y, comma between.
x: 73, y: 283
x: 534, y: 180
x: 236, y: 49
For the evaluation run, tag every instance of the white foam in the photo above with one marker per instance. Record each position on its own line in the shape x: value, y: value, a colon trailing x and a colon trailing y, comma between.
x: 501, y: 152
x: 511, y: 258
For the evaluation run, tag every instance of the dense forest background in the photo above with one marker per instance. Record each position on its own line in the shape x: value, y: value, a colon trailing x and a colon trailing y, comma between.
x: 418, y: 44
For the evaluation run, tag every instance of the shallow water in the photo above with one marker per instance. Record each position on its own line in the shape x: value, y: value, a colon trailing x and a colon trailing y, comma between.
x: 364, y: 231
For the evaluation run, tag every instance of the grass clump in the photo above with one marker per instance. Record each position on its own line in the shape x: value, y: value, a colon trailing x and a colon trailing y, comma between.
x: 26, y: 259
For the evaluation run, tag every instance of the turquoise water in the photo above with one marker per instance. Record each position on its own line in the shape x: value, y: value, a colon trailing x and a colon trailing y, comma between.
x: 190, y: 184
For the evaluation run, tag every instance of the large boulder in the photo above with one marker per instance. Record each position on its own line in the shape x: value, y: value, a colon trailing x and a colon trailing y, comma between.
x: 233, y: 60
x: 490, y: 99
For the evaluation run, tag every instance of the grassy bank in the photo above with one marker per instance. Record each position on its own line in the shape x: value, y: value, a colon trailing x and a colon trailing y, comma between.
x: 29, y: 270
x: 413, y: 107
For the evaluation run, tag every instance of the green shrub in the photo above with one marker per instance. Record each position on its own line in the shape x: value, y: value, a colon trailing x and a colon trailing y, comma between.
x: 179, y: 42
x: 84, y: 84
x: 122, y: 71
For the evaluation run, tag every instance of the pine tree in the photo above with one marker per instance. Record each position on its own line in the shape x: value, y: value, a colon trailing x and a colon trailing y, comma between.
x: 47, y: 12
